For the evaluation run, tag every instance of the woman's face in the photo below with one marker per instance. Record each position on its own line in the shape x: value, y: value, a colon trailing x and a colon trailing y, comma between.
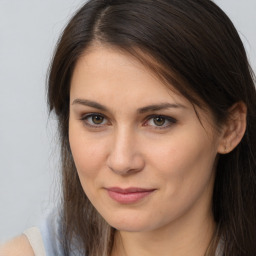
x: 143, y: 158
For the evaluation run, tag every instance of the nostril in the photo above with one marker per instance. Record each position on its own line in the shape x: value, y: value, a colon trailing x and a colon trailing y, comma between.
x: 135, y: 164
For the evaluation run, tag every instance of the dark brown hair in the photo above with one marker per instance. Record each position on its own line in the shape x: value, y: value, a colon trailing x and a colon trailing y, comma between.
x: 196, y: 49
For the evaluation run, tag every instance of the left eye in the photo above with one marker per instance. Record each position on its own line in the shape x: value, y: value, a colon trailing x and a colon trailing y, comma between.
x: 94, y: 120
x: 160, y: 121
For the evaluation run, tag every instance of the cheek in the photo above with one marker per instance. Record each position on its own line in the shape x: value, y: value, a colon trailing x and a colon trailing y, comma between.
x: 89, y: 161
x: 184, y: 162
x: 184, y: 168
x: 88, y: 154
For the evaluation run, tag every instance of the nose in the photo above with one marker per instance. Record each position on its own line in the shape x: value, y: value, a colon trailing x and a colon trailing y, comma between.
x: 125, y: 157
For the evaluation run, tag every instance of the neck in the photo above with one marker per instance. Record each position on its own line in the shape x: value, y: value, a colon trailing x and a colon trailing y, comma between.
x: 178, y: 239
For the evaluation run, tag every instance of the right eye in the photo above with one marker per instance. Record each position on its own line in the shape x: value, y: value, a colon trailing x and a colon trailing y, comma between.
x: 94, y: 120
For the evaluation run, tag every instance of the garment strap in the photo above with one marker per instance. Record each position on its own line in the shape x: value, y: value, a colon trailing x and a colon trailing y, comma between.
x: 220, y: 248
x: 35, y: 239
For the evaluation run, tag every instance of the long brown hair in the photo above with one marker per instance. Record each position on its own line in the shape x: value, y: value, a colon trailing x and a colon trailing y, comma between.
x: 196, y: 48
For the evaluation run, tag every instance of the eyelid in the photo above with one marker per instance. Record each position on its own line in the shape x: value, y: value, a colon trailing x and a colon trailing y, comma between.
x: 88, y: 115
x: 170, y: 119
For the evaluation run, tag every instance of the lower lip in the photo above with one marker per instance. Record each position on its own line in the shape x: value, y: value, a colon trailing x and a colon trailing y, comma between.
x: 128, y: 198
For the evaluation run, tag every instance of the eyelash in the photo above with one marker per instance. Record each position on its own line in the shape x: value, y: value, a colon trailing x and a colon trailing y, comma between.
x: 85, y: 118
x: 168, y: 119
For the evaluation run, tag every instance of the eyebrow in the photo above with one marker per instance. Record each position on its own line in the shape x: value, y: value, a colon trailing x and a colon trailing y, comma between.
x: 90, y: 103
x: 154, y: 107
x: 157, y: 107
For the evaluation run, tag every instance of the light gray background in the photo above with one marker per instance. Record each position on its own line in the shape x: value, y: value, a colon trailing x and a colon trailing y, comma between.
x: 28, y: 145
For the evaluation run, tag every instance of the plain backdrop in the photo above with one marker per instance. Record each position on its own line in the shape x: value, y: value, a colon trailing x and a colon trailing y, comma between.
x: 29, y: 159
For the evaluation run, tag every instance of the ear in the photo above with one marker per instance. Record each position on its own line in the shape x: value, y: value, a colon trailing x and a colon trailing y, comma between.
x: 234, y: 128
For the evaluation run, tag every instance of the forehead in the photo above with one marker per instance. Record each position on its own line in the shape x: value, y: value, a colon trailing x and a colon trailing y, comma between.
x: 102, y: 71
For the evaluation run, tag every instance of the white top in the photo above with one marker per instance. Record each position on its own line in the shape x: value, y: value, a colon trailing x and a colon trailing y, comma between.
x: 36, y: 241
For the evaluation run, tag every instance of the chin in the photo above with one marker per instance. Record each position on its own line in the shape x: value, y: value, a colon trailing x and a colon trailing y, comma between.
x: 130, y: 224
x: 129, y: 228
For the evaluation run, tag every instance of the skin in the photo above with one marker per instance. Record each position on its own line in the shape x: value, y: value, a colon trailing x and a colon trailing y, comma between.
x: 18, y: 246
x: 120, y: 146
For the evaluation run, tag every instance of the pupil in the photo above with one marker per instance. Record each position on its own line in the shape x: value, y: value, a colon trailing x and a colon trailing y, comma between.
x: 97, y: 119
x: 159, y: 121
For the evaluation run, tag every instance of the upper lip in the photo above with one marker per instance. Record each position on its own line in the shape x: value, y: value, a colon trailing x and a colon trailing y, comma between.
x: 129, y: 190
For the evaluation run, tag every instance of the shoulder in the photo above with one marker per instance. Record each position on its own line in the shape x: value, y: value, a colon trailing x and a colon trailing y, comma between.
x: 18, y: 246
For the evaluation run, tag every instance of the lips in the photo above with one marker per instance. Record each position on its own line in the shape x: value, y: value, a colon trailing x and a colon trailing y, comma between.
x: 128, y: 195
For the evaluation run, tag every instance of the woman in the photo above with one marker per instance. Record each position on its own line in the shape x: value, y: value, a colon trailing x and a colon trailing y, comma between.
x: 156, y: 108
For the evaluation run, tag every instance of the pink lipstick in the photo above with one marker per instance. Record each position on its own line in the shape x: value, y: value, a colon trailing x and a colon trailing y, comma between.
x: 128, y: 195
